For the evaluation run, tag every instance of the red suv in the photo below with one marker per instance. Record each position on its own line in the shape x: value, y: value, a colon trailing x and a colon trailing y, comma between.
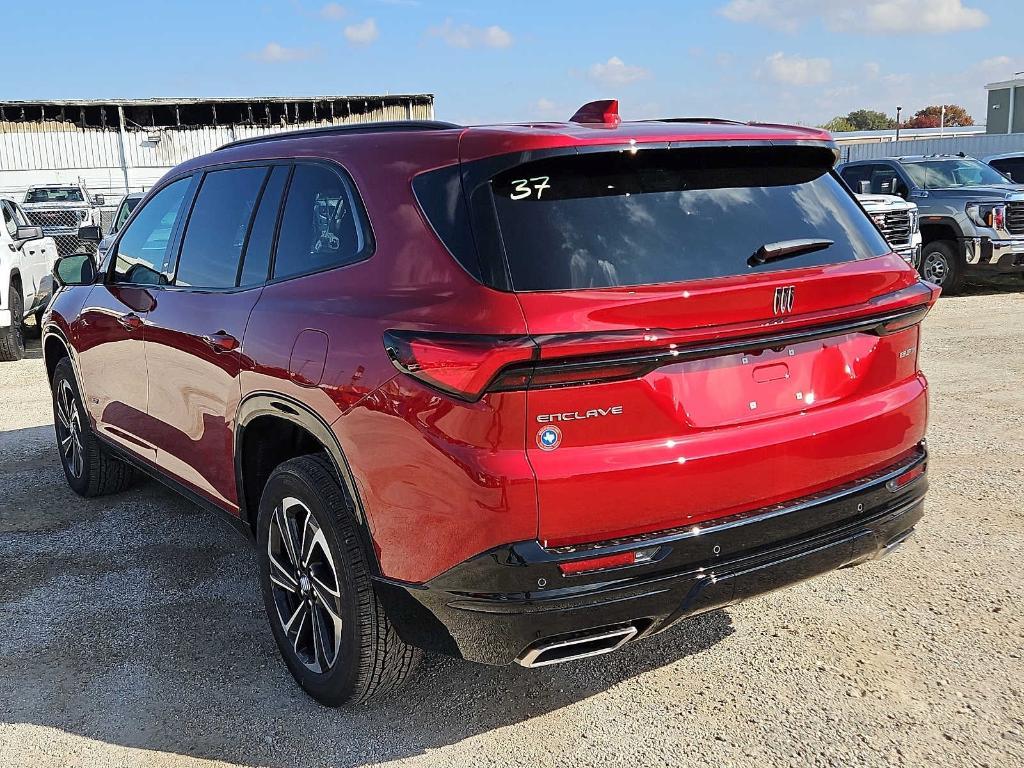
x: 512, y: 393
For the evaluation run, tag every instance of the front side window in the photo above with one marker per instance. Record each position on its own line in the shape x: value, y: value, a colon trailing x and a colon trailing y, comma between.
x: 322, y: 225
x: 19, y: 215
x: 665, y: 215
x: 215, y: 234
x: 124, y: 211
x: 9, y: 222
x: 142, y: 250
x: 952, y: 172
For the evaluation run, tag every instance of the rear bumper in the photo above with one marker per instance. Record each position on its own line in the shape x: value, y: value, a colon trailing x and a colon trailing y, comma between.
x: 505, y: 604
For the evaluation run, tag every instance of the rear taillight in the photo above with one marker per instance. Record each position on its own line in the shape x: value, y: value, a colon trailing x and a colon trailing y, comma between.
x: 466, y: 366
x: 903, y: 322
x: 461, y: 365
x: 563, y: 374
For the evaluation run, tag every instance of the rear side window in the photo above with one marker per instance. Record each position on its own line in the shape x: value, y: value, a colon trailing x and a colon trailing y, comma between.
x: 1013, y: 167
x: 665, y: 215
x: 215, y: 235
x: 322, y: 225
x: 256, y: 262
x: 142, y: 249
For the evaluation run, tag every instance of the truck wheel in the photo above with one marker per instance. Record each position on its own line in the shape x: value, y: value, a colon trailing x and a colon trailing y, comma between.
x: 89, y: 467
x: 329, y: 626
x: 944, y: 265
x: 12, y: 338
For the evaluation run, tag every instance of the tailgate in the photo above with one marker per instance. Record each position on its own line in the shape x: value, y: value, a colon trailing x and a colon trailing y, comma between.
x: 727, y: 418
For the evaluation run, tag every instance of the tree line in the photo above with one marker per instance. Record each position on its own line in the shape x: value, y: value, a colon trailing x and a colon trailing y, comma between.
x: 872, y: 120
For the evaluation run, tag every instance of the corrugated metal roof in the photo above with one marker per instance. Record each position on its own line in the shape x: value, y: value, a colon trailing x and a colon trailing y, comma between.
x: 167, y: 101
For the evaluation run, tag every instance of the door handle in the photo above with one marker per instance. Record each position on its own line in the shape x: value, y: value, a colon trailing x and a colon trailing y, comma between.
x: 221, y: 342
x: 130, y: 322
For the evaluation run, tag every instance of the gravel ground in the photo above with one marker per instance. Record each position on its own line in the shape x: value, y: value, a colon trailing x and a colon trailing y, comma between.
x: 131, y: 630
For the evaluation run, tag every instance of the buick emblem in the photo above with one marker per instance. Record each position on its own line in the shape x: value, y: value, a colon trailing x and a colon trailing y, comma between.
x: 783, y: 303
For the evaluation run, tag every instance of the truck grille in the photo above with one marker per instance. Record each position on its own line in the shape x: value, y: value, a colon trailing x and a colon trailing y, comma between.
x: 68, y: 244
x: 1015, y: 218
x: 57, y: 219
x: 895, y: 226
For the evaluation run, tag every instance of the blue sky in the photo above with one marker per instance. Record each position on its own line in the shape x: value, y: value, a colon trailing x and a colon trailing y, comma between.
x: 786, y: 60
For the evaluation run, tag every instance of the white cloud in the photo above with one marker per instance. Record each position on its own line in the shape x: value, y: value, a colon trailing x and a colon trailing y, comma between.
x: 333, y: 11
x: 275, y: 52
x: 616, y: 72
x: 797, y: 70
x: 468, y: 36
x: 892, y: 17
x: 546, y: 109
x: 363, y: 33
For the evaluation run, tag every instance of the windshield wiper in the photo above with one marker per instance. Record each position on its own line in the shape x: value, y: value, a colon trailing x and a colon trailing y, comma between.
x: 785, y: 249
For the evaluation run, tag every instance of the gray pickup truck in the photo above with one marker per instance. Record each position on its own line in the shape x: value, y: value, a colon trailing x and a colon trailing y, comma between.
x: 972, y: 216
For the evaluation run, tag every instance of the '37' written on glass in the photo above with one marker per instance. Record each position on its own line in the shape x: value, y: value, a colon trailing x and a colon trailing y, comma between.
x: 523, y: 188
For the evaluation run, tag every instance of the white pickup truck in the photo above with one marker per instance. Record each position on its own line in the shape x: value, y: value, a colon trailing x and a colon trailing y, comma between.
x: 898, y: 219
x: 26, y: 261
x: 60, y: 209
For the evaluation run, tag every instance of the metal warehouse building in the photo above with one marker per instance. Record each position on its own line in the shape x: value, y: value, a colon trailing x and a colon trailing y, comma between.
x: 122, y: 145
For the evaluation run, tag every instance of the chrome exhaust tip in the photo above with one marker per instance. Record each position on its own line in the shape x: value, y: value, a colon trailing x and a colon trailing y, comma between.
x: 555, y: 652
x: 894, y: 543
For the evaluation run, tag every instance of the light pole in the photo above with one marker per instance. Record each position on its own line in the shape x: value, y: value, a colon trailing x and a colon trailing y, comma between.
x: 898, y: 110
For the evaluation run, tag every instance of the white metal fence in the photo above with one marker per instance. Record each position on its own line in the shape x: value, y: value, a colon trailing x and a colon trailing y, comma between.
x: 113, y: 162
x: 975, y: 146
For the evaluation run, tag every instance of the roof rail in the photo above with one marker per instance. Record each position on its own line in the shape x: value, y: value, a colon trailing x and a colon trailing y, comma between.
x: 383, y: 126
x: 694, y: 120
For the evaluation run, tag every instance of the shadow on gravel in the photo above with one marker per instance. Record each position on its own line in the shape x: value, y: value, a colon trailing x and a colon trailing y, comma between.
x: 136, y: 620
x: 992, y: 288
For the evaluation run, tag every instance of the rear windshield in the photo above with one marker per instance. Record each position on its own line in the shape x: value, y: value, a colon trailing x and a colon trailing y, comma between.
x: 666, y: 215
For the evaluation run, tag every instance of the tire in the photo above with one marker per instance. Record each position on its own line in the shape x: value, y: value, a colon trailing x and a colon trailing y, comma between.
x: 88, y: 465
x: 12, y: 338
x: 359, y: 655
x: 943, y: 264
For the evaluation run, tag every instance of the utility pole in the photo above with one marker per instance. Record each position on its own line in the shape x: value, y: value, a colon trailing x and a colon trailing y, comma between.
x: 898, y: 110
x: 942, y: 121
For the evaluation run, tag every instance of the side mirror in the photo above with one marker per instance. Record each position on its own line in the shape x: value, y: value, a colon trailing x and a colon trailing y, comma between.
x: 98, y: 199
x: 76, y: 269
x: 865, y: 187
x: 28, y: 233
x: 90, y: 234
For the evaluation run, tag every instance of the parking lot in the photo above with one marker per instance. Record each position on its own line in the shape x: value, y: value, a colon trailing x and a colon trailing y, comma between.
x: 131, y: 628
